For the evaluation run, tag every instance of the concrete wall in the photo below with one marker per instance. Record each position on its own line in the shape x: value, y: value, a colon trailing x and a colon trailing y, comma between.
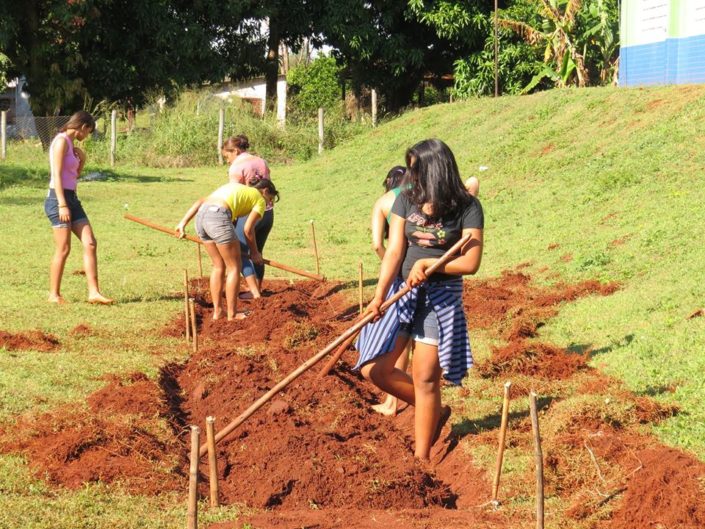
x: 663, y: 42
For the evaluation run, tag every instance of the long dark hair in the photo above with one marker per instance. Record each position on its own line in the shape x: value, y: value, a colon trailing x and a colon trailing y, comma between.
x: 263, y: 183
x: 77, y: 120
x: 394, y: 177
x: 434, y: 179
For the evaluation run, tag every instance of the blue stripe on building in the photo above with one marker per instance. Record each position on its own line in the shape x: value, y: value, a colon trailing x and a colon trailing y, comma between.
x: 673, y: 61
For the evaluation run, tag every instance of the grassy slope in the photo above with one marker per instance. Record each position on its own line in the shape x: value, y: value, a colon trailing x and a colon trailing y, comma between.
x: 580, y: 169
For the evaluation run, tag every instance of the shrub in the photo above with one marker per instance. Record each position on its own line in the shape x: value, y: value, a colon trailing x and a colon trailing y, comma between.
x: 185, y: 134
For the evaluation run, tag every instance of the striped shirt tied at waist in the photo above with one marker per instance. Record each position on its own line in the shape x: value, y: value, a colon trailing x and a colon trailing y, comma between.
x: 446, y: 298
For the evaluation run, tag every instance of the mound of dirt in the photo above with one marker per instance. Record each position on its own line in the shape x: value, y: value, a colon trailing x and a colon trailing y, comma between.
x: 115, y: 442
x: 667, y: 493
x: 344, y: 456
x: 515, y: 307
x: 134, y: 394
x: 29, y: 340
x: 82, y: 329
x: 534, y: 359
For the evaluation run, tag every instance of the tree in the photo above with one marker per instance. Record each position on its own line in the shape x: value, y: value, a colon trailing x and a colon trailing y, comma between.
x: 517, y: 62
x: 289, y: 22
x: 387, y: 45
x: 124, y: 50
x: 315, y: 85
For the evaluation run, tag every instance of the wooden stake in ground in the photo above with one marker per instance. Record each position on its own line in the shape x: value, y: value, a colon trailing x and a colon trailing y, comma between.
x: 194, y: 328
x: 502, y: 440
x: 347, y: 335
x: 538, y: 455
x: 360, y: 285
x: 187, y: 318
x: 191, y: 238
x: 315, y: 248
x: 212, y: 460
x: 192, y: 517
x: 200, y: 262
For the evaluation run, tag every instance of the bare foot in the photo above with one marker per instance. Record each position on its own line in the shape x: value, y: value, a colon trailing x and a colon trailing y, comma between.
x: 238, y: 316
x: 100, y: 299
x: 217, y: 315
x: 58, y: 300
x: 388, y: 407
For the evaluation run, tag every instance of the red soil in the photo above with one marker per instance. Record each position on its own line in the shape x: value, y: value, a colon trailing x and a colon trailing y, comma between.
x: 29, y: 340
x: 119, y: 440
x: 315, y: 456
x: 82, y: 329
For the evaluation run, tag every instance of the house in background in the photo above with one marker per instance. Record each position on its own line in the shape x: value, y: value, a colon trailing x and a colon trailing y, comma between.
x: 254, y: 91
x: 15, y: 101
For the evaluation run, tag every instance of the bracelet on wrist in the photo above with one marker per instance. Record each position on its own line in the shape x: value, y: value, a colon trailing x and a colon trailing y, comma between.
x: 63, y: 206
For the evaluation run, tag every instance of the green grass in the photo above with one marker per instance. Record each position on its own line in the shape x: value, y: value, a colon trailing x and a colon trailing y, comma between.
x: 614, y: 177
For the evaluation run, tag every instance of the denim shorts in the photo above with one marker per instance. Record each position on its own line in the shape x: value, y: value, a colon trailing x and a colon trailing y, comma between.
x: 215, y: 224
x: 51, y: 209
x: 424, y: 327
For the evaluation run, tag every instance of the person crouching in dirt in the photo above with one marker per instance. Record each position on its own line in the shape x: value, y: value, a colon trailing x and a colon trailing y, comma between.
x: 246, y: 168
x: 214, y: 225
x: 430, y: 216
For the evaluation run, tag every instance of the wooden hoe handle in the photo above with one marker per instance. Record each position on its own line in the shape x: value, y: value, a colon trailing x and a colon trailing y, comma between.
x: 273, y: 264
x: 347, y: 335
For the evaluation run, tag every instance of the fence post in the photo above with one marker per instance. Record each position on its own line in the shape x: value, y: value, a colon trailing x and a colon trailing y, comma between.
x: 281, y: 104
x: 3, y: 134
x: 113, y: 137
x: 221, y: 126
x: 538, y: 457
x: 320, y: 130
x: 374, y: 107
x: 192, y: 514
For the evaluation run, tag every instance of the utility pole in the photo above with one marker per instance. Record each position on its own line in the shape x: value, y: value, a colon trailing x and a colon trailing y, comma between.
x: 496, y: 53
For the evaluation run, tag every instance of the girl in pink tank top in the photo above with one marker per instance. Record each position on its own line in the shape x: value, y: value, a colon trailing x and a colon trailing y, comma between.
x: 64, y: 209
x: 69, y: 165
x: 246, y: 168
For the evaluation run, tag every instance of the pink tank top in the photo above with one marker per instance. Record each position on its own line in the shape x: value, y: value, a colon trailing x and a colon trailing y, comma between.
x: 69, y: 167
x: 247, y: 167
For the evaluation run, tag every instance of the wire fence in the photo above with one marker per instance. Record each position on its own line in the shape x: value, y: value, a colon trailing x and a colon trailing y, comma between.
x: 31, y: 127
x: 189, y: 134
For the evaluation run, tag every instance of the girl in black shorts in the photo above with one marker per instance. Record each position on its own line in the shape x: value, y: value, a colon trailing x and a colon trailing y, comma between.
x: 427, y: 218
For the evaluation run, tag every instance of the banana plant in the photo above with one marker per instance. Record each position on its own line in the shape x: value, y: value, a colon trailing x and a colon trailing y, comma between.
x: 557, y: 33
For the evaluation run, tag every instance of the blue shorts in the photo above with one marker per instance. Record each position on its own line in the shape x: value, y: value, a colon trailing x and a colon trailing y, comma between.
x: 424, y: 328
x: 51, y: 209
x: 215, y: 224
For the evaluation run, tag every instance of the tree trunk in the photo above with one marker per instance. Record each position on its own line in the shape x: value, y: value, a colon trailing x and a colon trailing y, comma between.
x: 284, y: 52
x: 272, y: 64
x: 35, y: 74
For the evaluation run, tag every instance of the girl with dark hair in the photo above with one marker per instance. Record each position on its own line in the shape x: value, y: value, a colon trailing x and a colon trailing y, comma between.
x: 64, y: 209
x: 427, y: 218
x: 382, y: 208
x: 381, y: 213
x: 246, y: 168
x: 214, y: 225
